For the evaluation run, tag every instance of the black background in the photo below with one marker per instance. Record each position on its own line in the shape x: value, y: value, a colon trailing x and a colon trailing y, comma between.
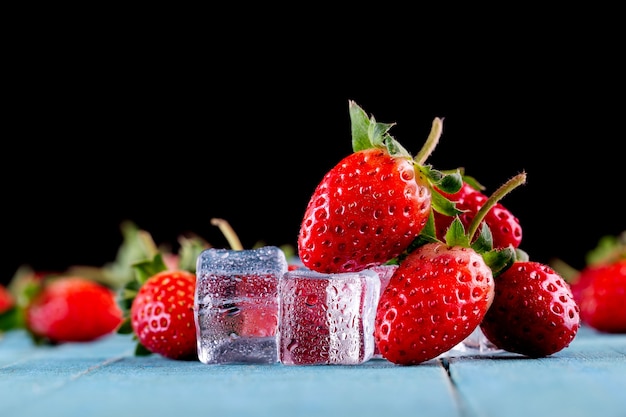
x: 170, y: 136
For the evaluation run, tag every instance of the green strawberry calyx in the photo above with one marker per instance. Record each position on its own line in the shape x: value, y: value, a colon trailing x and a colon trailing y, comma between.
x: 497, y: 259
x: 368, y: 133
x: 609, y: 249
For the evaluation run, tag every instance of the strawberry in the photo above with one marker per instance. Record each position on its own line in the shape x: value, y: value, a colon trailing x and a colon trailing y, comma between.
x: 505, y: 227
x: 435, y: 299
x: 161, y: 312
x: 72, y: 309
x: 370, y: 206
x: 603, y: 299
x: 6, y: 299
x: 599, y: 287
x: 440, y: 292
x: 533, y: 311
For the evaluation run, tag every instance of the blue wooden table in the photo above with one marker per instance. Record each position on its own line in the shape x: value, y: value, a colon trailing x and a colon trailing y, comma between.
x: 104, y: 378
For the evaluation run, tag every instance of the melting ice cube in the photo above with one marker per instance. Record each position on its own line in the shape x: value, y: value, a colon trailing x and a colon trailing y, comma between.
x: 236, y: 304
x: 327, y: 319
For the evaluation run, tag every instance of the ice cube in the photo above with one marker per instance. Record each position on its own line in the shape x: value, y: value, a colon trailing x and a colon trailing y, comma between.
x: 384, y: 274
x: 236, y: 304
x: 327, y: 319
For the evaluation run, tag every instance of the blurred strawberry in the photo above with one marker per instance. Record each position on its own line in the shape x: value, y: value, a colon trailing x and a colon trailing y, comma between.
x: 603, y: 298
x: 72, y: 309
x: 599, y: 287
x: 6, y: 299
x: 24, y: 285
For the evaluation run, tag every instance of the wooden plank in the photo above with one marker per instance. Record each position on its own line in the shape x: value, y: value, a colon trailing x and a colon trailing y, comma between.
x: 587, y: 378
x: 105, y: 379
x: 15, y: 346
x: 29, y: 372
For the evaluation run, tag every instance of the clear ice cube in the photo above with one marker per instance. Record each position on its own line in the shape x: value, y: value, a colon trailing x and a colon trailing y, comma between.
x: 384, y: 273
x: 327, y: 319
x: 236, y: 304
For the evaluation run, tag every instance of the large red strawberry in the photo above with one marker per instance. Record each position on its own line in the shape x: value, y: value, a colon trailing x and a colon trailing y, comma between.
x: 366, y: 210
x: 369, y: 207
x: 436, y: 298
x: 533, y: 311
x: 73, y: 309
x: 162, y: 316
x: 505, y: 227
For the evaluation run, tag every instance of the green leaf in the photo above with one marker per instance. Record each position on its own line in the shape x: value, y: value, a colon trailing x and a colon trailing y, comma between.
x: 609, y: 249
x: 360, y: 128
x: 442, y: 205
x: 472, y: 182
x: 450, y: 183
x: 429, y: 232
x: 447, y: 182
x: 137, y: 245
x: 125, y: 327
x: 521, y: 255
x: 377, y: 133
x: 499, y: 260
x: 147, y: 268
x: 484, y: 241
x: 394, y: 148
x: 190, y: 249
x: 11, y: 319
x: 367, y: 133
x: 455, y: 236
x: 141, y: 350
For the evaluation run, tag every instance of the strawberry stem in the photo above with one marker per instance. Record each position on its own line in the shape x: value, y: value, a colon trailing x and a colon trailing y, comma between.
x: 228, y: 232
x: 431, y: 142
x: 504, y: 189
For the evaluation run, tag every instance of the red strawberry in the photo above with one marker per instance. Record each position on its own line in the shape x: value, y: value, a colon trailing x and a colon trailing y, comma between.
x: 162, y: 314
x: 73, y: 309
x: 369, y: 207
x: 366, y: 210
x: 533, y: 311
x: 6, y: 299
x: 600, y: 287
x: 582, y: 280
x: 505, y: 227
x: 436, y: 298
x: 603, y: 299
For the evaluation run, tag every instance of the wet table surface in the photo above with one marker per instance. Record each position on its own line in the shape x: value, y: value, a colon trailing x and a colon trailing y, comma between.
x: 104, y: 378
